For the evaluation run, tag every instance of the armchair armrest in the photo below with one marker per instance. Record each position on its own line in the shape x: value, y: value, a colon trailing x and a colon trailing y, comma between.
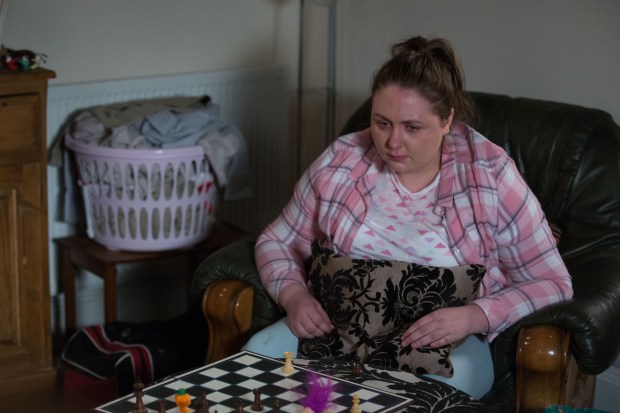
x: 232, y: 298
x: 546, y: 373
x: 227, y: 306
x: 588, y: 323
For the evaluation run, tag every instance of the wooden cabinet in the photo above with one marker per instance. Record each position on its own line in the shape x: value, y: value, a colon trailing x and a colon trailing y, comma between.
x: 25, y: 336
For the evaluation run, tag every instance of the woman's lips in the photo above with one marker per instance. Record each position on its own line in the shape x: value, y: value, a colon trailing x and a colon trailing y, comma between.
x: 397, y: 158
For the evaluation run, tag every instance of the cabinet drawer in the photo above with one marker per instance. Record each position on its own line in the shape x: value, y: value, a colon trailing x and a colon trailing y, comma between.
x: 20, y: 124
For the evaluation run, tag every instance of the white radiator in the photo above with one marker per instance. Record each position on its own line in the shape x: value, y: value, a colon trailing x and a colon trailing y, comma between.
x: 255, y: 101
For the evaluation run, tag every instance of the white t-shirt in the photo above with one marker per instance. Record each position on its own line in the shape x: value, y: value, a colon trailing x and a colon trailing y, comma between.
x: 401, y: 225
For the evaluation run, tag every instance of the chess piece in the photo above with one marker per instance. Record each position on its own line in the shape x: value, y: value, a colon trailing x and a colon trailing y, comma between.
x: 276, y: 407
x: 239, y: 408
x: 288, y: 362
x: 138, y: 406
x: 257, y: 406
x: 161, y: 406
x: 202, y: 404
x: 355, y: 406
x: 357, y: 365
x: 182, y: 399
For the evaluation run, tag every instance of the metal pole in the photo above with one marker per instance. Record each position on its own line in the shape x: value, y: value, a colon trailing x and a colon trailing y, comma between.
x: 330, y: 122
x: 300, y: 61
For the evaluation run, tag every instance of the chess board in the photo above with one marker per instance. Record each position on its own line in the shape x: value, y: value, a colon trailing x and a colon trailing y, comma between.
x: 234, y: 378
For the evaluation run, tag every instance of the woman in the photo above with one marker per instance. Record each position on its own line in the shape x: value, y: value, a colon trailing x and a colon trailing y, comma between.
x: 475, y: 209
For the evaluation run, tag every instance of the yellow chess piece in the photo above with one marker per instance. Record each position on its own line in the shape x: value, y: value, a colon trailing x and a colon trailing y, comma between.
x: 288, y: 362
x: 355, y: 406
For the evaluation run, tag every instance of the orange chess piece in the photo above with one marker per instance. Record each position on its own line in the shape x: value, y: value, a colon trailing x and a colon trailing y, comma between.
x: 182, y: 400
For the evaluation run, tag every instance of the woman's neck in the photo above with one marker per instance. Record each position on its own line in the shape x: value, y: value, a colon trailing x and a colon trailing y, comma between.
x: 415, y: 182
x: 420, y: 178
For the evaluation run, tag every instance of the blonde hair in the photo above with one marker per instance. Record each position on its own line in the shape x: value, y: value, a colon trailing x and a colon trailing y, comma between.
x: 431, y: 68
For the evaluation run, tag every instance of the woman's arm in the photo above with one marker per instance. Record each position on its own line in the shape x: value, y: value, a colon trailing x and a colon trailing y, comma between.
x: 528, y: 256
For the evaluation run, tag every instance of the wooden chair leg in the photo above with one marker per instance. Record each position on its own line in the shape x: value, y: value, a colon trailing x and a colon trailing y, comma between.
x: 227, y: 305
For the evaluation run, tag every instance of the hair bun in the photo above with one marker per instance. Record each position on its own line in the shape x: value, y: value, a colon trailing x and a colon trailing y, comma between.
x: 413, y: 45
x: 432, y: 68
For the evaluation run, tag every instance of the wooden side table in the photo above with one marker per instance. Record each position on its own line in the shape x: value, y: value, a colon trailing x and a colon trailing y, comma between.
x: 79, y: 251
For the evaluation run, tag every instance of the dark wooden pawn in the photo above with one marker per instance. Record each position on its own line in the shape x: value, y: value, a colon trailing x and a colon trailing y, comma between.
x: 257, y: 406
x: 138, y: 406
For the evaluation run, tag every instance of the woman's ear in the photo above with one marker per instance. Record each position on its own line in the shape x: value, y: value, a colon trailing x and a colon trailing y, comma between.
x: 448, y: 122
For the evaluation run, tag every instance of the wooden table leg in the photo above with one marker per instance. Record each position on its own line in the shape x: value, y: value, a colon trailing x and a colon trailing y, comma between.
x: 109, y: 292
x: 68, y: 271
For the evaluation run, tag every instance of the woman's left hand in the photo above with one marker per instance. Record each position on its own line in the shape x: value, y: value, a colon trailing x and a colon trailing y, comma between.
x: 445, y: 326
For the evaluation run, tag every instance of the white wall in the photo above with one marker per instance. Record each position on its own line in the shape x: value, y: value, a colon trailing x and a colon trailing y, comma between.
x: 111, y: 39
x: 564, y: 50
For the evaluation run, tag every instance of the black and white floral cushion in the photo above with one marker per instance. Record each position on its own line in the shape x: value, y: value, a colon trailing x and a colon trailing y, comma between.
x: 372, y: 302
x: 428, y: 395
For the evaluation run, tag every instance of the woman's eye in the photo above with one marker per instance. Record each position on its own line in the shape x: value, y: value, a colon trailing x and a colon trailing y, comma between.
x: 382, y: 124
x: 412, y: 128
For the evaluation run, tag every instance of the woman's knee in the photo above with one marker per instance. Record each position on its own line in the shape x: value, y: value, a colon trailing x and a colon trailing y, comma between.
x: 473, y: 367
x: 273, y: 340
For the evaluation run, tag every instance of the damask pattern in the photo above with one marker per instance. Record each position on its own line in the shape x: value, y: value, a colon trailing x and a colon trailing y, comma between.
x: 428, y: 395
x: 372, y: 302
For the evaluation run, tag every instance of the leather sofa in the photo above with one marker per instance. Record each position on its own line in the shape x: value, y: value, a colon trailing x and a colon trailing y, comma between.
x: 570, y: 157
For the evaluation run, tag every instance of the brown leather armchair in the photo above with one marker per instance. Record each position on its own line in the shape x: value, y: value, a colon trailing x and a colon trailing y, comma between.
x: 570, y: 157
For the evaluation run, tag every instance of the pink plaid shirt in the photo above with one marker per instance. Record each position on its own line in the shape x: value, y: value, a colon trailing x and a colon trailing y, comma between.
x: 491, y: 216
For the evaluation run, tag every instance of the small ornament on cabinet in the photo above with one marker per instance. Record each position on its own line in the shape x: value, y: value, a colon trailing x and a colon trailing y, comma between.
x: 23, y: 59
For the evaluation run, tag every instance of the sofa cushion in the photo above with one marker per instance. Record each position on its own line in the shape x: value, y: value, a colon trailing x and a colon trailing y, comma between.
x: 372, y: 302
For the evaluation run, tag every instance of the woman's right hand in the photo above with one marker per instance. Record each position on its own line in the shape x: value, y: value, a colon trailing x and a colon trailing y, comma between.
x: 305, y: 315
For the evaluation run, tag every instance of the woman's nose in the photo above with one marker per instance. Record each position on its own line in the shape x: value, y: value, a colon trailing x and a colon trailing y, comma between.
x: 394, y: 139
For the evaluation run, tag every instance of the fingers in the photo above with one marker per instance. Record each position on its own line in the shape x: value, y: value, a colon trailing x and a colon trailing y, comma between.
x: 310, y: 321
x: 432, y: 330
x: 307, y: 328
x: 444, y: 341
x: 318, y: 323
x: 417, y: 338
x: 445, y: 326
x: 322, y: 321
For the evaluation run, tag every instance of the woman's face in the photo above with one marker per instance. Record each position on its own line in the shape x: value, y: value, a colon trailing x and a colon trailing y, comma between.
x: 406, y: 132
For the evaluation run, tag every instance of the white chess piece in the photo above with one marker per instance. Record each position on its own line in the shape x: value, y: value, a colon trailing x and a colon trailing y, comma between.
x: 288, y: 363
x: 355, y: 406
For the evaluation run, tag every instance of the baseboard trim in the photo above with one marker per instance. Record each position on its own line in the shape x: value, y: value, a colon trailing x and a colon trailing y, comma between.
x: 28, y: 382
x: 607, y: 390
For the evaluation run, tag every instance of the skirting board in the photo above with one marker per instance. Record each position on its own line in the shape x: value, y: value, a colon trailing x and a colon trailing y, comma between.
x: 607, y: 392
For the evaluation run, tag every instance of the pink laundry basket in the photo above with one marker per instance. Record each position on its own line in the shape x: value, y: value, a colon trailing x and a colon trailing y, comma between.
x: 146, y: 199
